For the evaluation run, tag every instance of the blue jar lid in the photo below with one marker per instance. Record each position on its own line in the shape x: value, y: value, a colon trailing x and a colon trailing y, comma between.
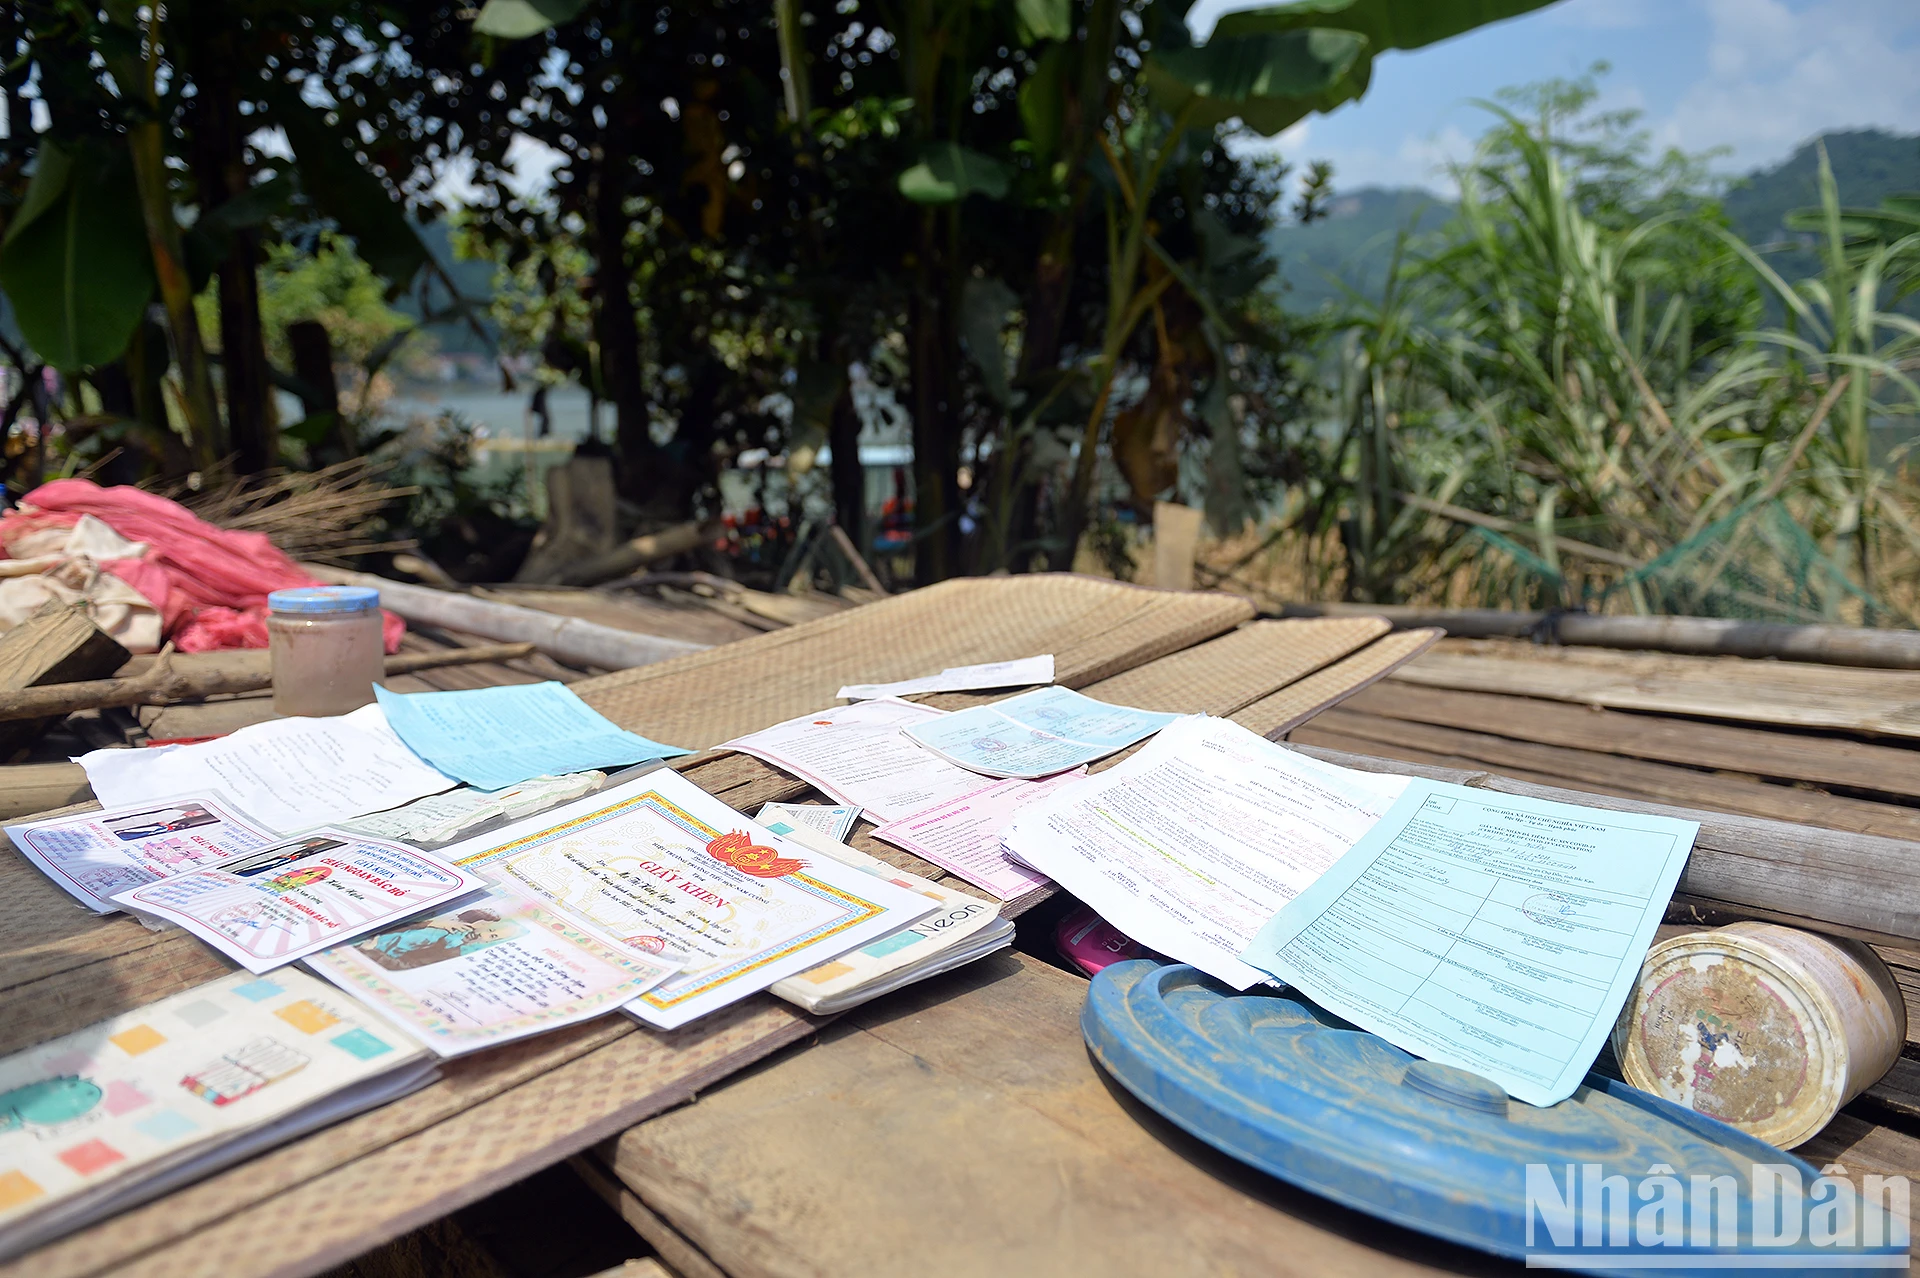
x: 1276, y: 1082
x: 307, y: 601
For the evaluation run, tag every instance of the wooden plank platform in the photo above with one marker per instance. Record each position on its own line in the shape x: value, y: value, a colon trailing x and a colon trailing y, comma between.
x: 960, y: 1128
x: 503, y: 1114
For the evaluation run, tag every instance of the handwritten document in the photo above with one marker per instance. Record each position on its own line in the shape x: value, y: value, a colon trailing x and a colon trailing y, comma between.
x: 289, y: 774
x: 1492, y: 932
x: 993, y: 674
x: 1036, y: 734
x: 860, y: 755
x: 1190, y: 846
x: 492, y: 738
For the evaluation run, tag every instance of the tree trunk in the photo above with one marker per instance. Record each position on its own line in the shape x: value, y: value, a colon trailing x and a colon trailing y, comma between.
x: 220, y: 171
x: 936, y: 444
x: 616, y: 326
x: 849, y: 476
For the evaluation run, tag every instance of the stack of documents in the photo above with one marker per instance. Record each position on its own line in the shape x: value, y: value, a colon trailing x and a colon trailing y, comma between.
x: 659, y: 867
x: 963, y: 928
x: 128, y: 1109
x: 1491, y: 932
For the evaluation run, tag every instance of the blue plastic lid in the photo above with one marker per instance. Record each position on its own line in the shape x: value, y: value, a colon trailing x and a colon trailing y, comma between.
x: 1281, y: 1084
x: 309, y: 601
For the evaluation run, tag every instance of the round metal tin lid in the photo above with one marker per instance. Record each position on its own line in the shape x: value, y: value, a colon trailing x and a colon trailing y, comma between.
x: 1278, y: 1083
x: 310, y: 600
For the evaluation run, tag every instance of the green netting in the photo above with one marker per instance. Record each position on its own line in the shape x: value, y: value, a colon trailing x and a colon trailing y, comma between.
x: 1756, y: 563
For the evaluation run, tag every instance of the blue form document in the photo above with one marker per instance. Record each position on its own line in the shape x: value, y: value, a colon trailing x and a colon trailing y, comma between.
x: 1036, y: 734
x: 1488, y: 931
x: 492, y: 738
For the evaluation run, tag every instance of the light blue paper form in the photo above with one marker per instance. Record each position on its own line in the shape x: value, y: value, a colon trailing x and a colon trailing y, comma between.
x: 1036, y: 734
x: 1492, y: 932
x: 492, y: 738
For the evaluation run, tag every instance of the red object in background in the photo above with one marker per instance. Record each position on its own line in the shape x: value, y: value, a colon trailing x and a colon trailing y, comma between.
x: 1090, y: 943
x: 210, y: 584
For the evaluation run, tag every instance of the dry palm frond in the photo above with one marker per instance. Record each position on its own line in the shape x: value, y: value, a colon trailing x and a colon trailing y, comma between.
x: 322, y: 515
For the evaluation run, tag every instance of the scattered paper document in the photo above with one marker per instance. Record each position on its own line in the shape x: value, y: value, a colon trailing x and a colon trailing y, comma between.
x: 1190, y: 846
x: 96, y: 855
x: 1036, y: 734
x: 127, y: 1109
x: 492, y: 738
x: 993, y: 674
x: 1495, y: 933
x: 294, y: 898
x: 440, y: 817
x: 834, y: 821
x: 290, y: 774
x: 963, y: 928
x: 859, y: 755
x: 661, y: 866
x: 962, y: 836
x: 497, y: 968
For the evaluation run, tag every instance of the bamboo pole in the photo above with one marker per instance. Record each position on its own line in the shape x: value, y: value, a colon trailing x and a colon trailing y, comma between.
x: 162, y: 683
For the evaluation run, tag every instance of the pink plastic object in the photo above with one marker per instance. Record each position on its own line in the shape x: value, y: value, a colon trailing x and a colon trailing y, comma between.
x: 1090, y: 943
x: 210, y: 584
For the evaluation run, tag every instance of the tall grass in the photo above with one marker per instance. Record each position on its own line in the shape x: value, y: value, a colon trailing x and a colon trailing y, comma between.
x: 1566, y: 400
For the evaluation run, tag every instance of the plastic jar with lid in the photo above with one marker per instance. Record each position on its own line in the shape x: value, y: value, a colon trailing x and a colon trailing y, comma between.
x: 327, y: 648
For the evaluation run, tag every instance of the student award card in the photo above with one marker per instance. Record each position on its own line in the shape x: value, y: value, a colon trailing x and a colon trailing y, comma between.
x: 661, y: 866
x: 95, y: 855
x: 289, y: 900
x: 489, y: 971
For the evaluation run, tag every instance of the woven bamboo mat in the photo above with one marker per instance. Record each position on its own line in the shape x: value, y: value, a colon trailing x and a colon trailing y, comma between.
x: 1273, y: 716
x: 1093, y: 628
x: 1226, y: 674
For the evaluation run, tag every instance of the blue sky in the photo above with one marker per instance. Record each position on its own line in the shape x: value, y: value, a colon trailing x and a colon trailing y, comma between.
x: 1755, y: 76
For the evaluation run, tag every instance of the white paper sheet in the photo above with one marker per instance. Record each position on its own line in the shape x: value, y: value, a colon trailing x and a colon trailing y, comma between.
x: 859, y: 755
x: 94, y: 855
x: 1190, y: 846
x: 289, y: 774
x: 992, y: 674
x: 290, y: 900
x: 496, y: 968
x: 1036, y: 734
x: 1492, y: 932
x: 660, y: 865
x: 440, y: 817
x: 963, y: 835
x: 835, y: 821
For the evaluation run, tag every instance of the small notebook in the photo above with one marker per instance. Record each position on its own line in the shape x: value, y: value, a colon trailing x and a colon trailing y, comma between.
x: 137, y: 1105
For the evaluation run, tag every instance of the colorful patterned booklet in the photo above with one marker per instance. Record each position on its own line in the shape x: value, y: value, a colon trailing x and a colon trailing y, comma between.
x: 133, y: 1107
x: 490, y: 971
x: 658, y: 865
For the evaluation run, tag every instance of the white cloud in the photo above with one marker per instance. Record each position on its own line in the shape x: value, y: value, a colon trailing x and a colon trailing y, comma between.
x: 1778, y: 74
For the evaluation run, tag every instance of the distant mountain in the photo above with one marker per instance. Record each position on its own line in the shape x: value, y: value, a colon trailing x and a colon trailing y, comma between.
x: 1354, y: 242
x: 1868, y: 166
